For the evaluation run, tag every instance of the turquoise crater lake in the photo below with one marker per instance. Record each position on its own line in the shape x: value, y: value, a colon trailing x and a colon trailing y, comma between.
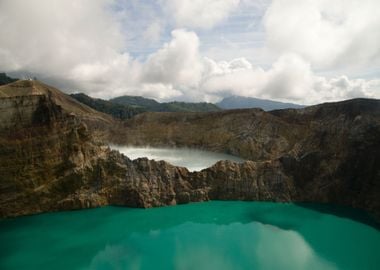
x: 211, y: 235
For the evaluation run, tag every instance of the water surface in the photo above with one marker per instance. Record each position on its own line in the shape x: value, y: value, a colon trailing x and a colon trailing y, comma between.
x: 193, y: 159
x: 213, y: 235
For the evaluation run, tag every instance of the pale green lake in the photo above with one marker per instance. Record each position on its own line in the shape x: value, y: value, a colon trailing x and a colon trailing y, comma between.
x: 213, y: 235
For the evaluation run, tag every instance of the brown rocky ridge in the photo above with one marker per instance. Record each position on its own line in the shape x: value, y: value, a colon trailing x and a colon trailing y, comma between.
x: 53, y: 154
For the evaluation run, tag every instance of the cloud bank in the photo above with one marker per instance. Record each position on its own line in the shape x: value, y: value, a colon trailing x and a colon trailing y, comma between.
x: 82, y: 45
x: 326, y: 33
x: 290, y: 78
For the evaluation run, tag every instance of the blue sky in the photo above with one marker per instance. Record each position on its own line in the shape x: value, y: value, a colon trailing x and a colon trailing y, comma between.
x: 240, y: 30
x: 304, y: 51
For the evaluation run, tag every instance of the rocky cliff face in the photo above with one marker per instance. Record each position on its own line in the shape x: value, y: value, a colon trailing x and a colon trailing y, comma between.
x: 330, y: 153
x: 51, y: 160
x: 41, y: 147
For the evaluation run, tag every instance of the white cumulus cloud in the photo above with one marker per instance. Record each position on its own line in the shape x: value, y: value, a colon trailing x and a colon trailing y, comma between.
x: 53, y: 36
x: 327, y: 33
x: 290, y: 78
x: 83, y: 45
x: 177, y: 62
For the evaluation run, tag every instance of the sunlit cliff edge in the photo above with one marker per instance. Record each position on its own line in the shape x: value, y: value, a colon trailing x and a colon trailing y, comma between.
x: 53, y: 154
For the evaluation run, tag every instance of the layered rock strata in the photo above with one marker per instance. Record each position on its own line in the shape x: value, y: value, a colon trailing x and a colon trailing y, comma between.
x: 330, y: 152
x: 52, y: 159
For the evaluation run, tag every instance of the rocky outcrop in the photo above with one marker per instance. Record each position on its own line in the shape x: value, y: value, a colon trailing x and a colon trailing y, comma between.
x: 19, y: 100
x: 159, y: 183
x: 53, y: 158
x: 330, y: 152
x: 51, y: 161
x: 42, y: 147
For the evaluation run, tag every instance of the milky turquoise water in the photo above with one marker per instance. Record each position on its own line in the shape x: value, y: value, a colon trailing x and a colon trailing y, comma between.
x: 192, y: 159
x: 213, y: 235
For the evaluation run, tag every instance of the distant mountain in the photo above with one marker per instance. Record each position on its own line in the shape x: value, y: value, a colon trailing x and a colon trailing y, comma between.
x: 54, y: 155
x: 105, y: 106
x: 239, y: 102
x: 176, y: 106
x: 4, y: 79
x: 154, y: 106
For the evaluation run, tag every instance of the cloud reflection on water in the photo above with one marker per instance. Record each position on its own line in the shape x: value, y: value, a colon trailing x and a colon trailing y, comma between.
x: 213, y: 246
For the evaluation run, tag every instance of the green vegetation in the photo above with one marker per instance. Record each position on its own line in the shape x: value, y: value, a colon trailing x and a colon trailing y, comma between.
x: 138, y: 102
x: 4, y: 79
x: 116, y: 110
x: 154, y: 106
x: 126, y: 107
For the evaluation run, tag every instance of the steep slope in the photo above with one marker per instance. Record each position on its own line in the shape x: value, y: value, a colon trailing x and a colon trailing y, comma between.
x: 50, y: 160
x: 43, y: 146
x: 153, y: 106
x: 23, y: 91
x: 239, y: 102
x: 330, y: 151
x: 248, y: 133
x: 116, y: 110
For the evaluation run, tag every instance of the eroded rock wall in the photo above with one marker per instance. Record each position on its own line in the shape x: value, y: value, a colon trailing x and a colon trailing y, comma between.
x: 50, y: 161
